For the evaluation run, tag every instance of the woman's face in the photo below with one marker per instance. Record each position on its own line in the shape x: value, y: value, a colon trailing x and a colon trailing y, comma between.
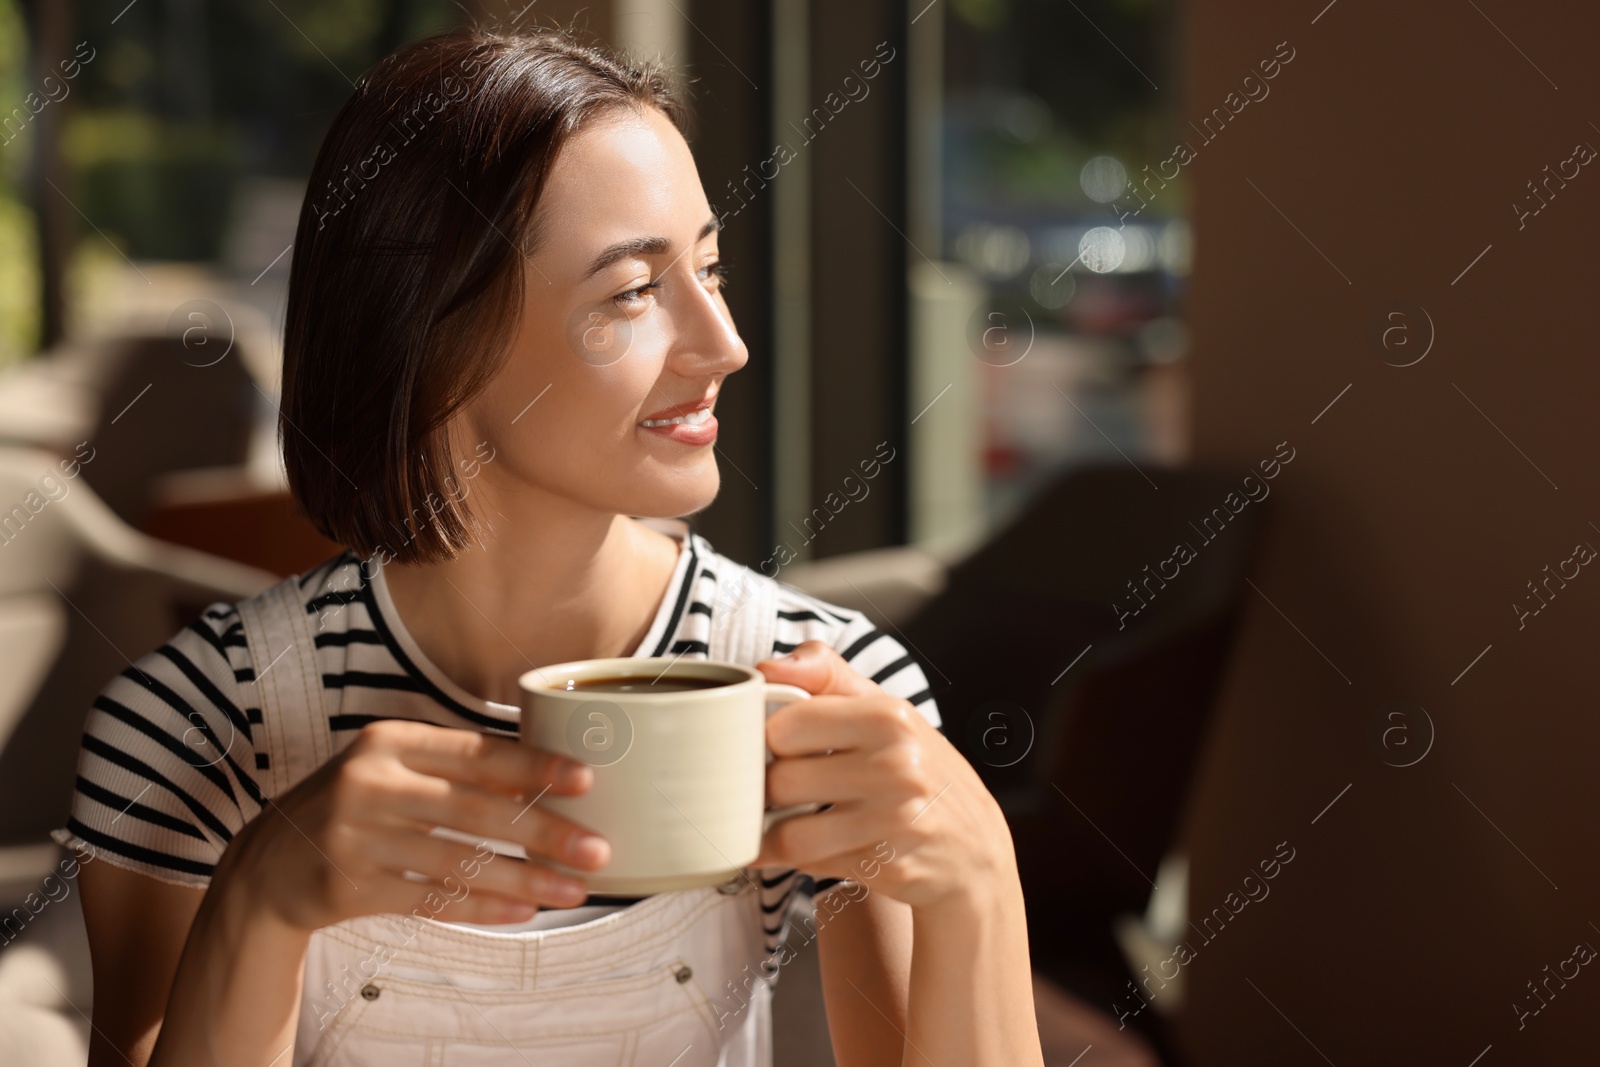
x: 623, y: 320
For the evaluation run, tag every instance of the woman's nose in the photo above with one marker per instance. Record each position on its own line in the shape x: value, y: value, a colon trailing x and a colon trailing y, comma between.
x: 707, y: 341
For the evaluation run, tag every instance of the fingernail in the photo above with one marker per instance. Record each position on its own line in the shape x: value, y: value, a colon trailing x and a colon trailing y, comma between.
x: 574, y: 773
x: 571, y: 892
x: 588, y: 849
x: 517, y: 911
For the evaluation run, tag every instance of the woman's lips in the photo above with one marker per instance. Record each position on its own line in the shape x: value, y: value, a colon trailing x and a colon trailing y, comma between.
x: 685, y: 433
x: 687, y: 408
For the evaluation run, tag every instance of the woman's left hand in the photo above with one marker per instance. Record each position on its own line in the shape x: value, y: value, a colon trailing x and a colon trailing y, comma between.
x: 909, y: 813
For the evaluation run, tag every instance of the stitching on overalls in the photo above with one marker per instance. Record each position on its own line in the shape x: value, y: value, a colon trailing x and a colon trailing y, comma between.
x: 322, y: 1051
x: 467, y: 953
x: 311, y: 676
x: 551, y: 1000
x: 256, y: 644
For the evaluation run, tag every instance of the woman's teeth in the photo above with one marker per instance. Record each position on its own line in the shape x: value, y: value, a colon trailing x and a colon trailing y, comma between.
x: 694, y: 419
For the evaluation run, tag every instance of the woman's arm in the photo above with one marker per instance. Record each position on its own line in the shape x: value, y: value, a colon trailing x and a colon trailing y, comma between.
x: 140, y: 928
x: 971, y: 979
x: 953, y: 977
x: 235, y: 995
x: 213, y: 977
x: 864, y: 942
x: 136, y: 928
x: 910, y: 818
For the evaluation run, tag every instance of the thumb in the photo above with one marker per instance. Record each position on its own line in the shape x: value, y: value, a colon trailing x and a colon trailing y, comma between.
x: 817, y: 667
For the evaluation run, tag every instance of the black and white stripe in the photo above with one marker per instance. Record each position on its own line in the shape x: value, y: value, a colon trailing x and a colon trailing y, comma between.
x: 165, y: 776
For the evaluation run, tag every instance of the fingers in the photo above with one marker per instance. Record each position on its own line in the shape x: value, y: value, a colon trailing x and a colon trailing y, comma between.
x: 454, y: 899
x: 817, y: 667
x: 455, y: 902
x: 459, y: 870
x: 840, y: 723
x: 430, y: 801
x: 485, y: 909
x: 807, y: 842
x: 858, y: 866
x: 884, y: 773
x: 477, y: 759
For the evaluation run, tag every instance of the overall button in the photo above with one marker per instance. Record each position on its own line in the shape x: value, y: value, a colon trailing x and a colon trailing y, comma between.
x: 682, y: 974
x: 370, y: 992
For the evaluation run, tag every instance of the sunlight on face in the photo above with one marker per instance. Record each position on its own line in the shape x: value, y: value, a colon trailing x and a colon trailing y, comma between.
x: 599, y: 351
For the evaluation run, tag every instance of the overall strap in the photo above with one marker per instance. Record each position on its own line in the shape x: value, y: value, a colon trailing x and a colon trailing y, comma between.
x: 288, y: 684
x: 744, y: 618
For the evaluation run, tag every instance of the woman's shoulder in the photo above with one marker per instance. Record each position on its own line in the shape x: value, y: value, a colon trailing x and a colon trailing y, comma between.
x: 169, y: 765
x: 220, y: 633
x: 800, y: 616
x: 323, y: 591
x: 166, y: 769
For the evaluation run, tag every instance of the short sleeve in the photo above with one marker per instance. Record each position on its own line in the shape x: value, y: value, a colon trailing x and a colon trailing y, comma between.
x: 879, y: 656
x: 164, y: 778
x: 871, y: 653
x: 882, y: 658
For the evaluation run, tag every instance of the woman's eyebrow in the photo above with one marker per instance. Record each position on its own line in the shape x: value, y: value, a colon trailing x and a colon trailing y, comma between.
x: 643, y: 246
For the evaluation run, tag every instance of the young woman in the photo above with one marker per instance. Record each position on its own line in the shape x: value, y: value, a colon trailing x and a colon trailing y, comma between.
x: 505, y: 338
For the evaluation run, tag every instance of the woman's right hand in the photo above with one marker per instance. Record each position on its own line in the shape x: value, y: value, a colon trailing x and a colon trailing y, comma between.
x: 334, y: 847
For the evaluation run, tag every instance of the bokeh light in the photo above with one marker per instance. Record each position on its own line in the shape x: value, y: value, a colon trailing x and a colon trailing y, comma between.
x: 1103, y: 178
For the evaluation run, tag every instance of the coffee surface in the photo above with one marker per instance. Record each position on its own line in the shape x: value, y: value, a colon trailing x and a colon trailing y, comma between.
x: 642, y: 684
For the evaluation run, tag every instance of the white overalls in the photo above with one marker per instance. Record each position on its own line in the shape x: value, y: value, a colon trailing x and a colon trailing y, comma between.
x: 672, y: 981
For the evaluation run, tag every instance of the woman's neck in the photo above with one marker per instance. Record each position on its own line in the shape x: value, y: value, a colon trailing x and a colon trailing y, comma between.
x: 538, y: 593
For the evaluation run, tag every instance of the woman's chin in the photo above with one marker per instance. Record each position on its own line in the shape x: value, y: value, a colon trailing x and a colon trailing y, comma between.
x: 676, y: 500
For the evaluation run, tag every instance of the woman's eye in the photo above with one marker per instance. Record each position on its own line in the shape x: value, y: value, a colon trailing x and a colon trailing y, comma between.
x: 634, y: 296
x: 717, y: 270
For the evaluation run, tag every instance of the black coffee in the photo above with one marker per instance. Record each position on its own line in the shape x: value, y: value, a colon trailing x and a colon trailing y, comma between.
x: 643, y: 685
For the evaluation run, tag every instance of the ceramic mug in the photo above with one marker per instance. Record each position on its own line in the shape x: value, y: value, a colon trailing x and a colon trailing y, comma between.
x: 679, y: 773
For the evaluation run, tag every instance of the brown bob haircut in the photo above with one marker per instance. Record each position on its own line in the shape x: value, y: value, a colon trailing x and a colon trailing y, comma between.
x: 407, y: 278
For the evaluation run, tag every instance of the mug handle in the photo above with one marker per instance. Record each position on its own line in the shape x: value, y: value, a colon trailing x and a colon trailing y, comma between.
x: 778, y: 695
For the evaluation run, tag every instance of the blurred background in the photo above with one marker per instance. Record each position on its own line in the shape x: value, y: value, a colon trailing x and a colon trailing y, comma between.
x: 1296, y: 288
x: 998, y: 140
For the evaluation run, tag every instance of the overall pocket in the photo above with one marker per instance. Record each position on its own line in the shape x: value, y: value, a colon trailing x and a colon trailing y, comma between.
x: 629, y: 990
x: 648, y: 1020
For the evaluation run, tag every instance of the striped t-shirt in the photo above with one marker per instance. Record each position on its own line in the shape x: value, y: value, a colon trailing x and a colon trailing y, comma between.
x: 167, y: 774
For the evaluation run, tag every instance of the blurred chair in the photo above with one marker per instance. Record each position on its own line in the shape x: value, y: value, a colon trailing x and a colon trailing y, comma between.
x: 45, y: 978
x: 1086, y: 722
x: 1087, y: 725
x: 233, y: 512
x: 888, y: 585
x: 147, y: 404
x: 182, y: 433
x: 80, y: 593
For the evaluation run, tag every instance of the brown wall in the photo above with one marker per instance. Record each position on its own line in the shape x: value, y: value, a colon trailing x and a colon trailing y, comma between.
x: 1397, y: 139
